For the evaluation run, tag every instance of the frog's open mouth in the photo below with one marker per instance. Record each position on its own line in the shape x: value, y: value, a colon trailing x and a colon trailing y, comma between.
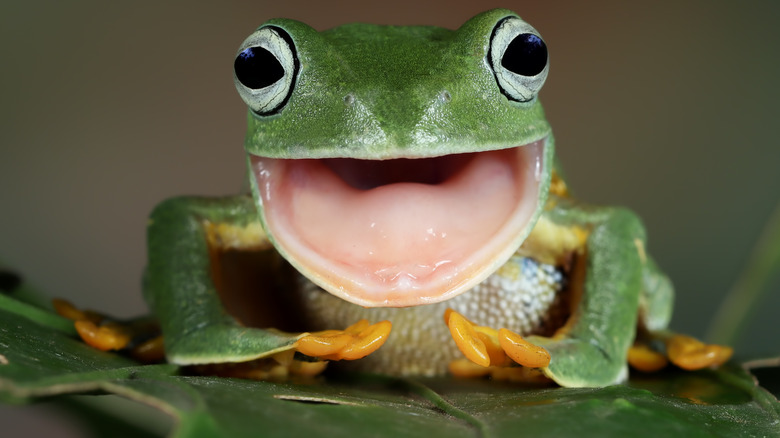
x: 400, y: 232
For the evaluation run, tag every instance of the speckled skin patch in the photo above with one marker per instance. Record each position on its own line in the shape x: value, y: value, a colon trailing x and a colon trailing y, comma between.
x: 523, y: 296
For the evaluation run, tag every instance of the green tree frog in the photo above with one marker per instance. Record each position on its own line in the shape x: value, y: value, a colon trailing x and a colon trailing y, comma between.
x: 401, y: 175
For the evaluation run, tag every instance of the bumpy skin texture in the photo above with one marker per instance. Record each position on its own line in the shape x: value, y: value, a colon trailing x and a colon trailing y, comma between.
x: 375, y: 92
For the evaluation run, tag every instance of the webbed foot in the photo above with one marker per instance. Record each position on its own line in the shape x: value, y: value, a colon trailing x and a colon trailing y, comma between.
x: 277, y: 367
x: 690, y: 354
x: 464, y: 368
x: 140, y: 337
x: 643, y: 358
x: 493, y: 352
x: 308, y: 356
x: 355, y: 342
x: 683, y: 351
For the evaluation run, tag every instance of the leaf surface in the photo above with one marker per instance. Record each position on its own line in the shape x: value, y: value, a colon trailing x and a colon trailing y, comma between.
x: 40, y: 360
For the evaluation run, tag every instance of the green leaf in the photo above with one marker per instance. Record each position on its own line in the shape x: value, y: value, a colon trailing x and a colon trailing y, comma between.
x: 39, y: 361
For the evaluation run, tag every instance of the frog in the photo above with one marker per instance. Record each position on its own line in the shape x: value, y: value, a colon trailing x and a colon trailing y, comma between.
x: 400, y: 175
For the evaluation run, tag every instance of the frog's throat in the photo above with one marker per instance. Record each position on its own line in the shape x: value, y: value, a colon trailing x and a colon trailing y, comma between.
x: 402, y: 232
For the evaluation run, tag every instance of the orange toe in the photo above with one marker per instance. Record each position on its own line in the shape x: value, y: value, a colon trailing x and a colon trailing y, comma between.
x: 467, y: 339
x: 691, y: 354
x: 522, y: 351
x: 643, y: 358
x: 105, y: 338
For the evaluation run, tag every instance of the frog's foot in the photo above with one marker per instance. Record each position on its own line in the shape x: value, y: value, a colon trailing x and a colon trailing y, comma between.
x: 138, y: 338
x: 311, y: 353
x: 465, y: 368
x: 355, y: 342
x: 279, y: 367
x: 691, y: 354
x: 643, y: 358
x: 493, y: 352
x: 308, y: 356
x: 686, y: 352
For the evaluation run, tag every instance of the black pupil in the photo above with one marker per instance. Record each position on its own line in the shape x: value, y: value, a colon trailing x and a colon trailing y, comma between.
x: 526, y: 55
x: 257, y: 68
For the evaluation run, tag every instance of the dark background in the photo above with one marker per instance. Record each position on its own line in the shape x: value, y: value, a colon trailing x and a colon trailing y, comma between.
x: 107, y: 108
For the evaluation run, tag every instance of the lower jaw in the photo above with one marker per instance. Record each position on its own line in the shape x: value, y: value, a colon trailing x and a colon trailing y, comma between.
x: 404, y: 243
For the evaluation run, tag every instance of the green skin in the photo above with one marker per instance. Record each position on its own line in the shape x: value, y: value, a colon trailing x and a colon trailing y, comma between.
x: 395, y: 73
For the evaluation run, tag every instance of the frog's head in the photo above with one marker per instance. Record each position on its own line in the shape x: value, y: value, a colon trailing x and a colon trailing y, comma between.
x: 397, y: 166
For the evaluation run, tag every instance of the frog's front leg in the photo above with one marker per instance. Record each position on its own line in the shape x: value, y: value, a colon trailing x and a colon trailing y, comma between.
x: 591, y: 348
x: 605, y: 283
x: 183, y: 235
x: 655, y: 346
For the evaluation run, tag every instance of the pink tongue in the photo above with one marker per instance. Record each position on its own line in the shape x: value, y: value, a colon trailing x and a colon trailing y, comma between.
x: 403, y: 243
x: 405, y: 230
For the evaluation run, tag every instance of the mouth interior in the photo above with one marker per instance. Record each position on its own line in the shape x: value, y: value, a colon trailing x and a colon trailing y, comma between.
x: 370, y: 174
x: 400, y: 232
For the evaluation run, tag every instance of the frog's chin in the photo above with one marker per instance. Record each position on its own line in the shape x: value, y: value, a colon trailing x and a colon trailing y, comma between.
x: 401, y: 232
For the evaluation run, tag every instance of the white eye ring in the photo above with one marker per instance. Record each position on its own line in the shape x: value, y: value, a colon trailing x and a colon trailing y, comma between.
x: 518, y: 58
x: 264, y: 70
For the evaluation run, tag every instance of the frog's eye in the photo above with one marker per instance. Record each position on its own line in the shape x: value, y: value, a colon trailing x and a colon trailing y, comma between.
x: 264, y: 70
x: 518, y: 57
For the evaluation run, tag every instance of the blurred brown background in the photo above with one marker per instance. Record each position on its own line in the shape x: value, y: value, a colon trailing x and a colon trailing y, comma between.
x: 107, y: 108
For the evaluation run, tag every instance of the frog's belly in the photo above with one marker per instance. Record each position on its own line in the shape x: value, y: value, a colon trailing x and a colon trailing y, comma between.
x: 523, y: 296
